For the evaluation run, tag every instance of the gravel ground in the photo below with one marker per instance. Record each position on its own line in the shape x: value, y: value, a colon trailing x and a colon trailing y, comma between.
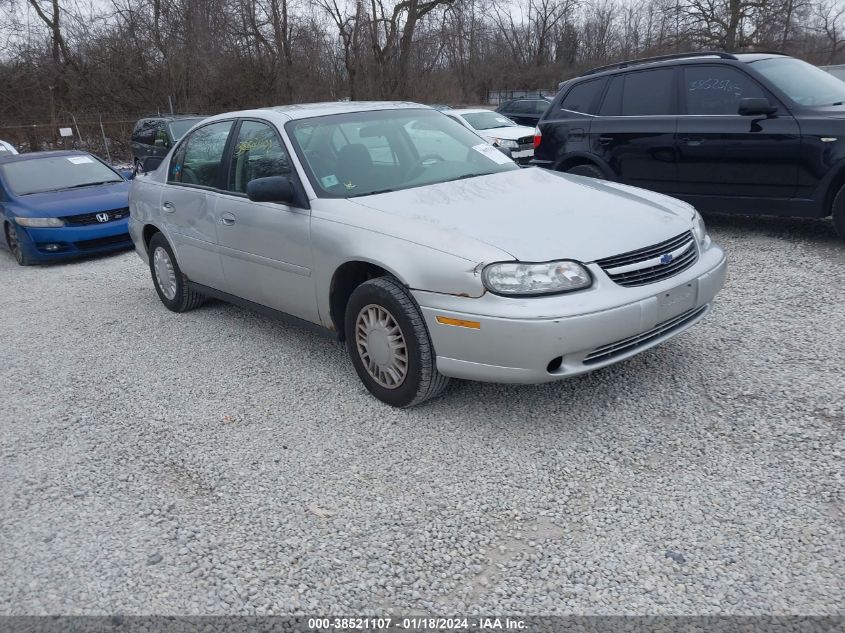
x: 222, y: 462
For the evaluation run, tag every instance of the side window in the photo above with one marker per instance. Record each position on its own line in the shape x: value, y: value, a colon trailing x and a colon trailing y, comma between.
x: 649, y: 92
x: 612, y: 104
x: 257, y: 153
x: 145, y: 131
x: 198, y: 159
x: 582, y: 97
x: 717, y: 89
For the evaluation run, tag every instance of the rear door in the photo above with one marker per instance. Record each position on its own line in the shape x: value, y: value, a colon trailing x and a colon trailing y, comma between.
x: 635, y: 130
x: 187, y: 203
x: 265, y: 247
x: 722, y: 155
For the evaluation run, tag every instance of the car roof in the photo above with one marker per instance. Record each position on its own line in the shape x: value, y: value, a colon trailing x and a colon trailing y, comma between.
x: 17, y: 158
x: 307, y: 110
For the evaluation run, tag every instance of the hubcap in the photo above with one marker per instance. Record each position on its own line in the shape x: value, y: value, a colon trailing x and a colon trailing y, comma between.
x: 165, y: 275
x: 381, y: 346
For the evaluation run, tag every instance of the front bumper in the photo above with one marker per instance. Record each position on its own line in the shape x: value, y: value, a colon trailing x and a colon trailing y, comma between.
x: 50, y: 244
x: 523, y: 341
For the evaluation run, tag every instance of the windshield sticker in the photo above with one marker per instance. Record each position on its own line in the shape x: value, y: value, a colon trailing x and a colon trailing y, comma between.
x: 329, y: 181
x: 79, y: 160
x: 349, y: 185
x: 492, y: 153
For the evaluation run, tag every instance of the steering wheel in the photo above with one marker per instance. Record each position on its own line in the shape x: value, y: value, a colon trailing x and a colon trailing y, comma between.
x: 419, y: 164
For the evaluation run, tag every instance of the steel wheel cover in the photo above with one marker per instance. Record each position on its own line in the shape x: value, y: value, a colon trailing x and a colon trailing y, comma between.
x: 381, y: 346
x: 165, y: 275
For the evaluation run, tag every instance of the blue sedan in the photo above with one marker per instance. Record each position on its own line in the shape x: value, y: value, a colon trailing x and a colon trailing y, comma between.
x: 57, y: 205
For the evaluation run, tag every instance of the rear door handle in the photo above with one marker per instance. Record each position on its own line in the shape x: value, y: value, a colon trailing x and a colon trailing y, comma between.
x: 692, y: 141
x: 605, y: 140
x: 168, y: 207
x: 228, y: 219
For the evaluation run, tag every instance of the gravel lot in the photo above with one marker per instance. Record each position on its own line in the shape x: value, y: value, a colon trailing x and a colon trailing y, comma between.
x: 222, y: 462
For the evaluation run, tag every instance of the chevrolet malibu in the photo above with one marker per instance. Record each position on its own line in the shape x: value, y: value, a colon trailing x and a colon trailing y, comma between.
x: 57, y: 205
x: 392, y: 226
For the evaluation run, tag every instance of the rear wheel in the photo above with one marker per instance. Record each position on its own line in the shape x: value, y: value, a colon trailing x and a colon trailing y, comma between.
x: 838, y: 212
x: 170, y: 283
x: 389, y: 344
x: 15, y: 245
x: 591, y: 171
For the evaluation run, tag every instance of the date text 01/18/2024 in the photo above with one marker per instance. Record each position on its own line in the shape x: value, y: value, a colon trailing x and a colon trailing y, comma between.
x: 417, y: 623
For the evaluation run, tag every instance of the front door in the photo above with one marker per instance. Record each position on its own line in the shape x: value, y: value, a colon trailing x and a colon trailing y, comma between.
x: 724, y: 157
x: 265, y: 247
x: 634, y: 131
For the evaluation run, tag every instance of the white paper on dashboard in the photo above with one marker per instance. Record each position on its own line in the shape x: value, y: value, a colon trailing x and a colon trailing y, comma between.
x: 492, y: 153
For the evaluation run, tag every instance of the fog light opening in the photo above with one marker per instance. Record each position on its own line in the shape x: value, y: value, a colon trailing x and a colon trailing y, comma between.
x: 52, y: 247
x: 554, y: 364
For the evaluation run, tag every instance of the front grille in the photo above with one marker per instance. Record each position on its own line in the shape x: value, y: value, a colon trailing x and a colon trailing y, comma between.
x: 91, y: 218
x: 112, y: 240
x: 626, y: 345
x: 645, y: 266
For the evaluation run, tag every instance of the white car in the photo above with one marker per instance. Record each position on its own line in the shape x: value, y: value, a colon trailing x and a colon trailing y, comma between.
x: 7, y: 149
x: 498, y: 130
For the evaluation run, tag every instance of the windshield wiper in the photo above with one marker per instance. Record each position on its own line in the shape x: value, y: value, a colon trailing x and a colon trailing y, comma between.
x: 372, y: 193
x: 88, y: 184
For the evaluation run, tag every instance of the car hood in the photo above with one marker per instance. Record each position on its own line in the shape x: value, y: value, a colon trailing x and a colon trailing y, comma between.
x: 532, y: 214
x: 74, y: 201
x: 509, y: 132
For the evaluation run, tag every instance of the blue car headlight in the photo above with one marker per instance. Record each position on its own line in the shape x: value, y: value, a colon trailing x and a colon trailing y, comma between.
x: 40, y: 223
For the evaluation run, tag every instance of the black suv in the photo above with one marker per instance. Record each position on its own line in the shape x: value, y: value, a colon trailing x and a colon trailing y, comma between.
x: 745, y: 133
x: 155, y: 135
x: 524, y: 111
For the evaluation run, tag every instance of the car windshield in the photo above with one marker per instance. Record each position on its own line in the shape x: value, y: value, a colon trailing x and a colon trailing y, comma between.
x: 804, y: 83
x: 180, y: 127
x: 487, y: 120
x: 363, y: 153
x: 54, y: 173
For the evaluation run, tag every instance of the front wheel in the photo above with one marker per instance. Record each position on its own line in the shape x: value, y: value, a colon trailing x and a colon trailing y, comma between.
x: 389, y: 344
x: 170, y: 283
x: 838, y: 212
x: 15, y: 245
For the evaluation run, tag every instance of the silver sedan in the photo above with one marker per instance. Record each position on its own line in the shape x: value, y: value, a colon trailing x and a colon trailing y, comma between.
x: 424, y: 248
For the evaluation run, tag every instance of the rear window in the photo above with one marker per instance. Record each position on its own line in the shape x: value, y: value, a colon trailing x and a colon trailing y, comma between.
x: 583, y: 97
x: 644, y: 93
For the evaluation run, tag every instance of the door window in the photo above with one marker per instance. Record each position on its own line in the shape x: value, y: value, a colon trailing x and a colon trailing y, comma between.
x: 649, y: 93
x: 198, y: 160
x: 257, y: 153
x: 144, y: 131
x: 582, y: 97
x: 717, y: 89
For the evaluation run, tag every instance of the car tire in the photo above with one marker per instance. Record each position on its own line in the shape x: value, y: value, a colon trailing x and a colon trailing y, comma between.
x: 169, y: 282
x: 586, y: 169
x: 838, y: 212
x: 389, y: 344
x: 15, y: 245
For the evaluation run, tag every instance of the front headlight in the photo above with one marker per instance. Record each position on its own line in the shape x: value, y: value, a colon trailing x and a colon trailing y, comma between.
x: 40, y: 223
x: 503, y: 142
x: 700, y: 231
x: 528, y: 279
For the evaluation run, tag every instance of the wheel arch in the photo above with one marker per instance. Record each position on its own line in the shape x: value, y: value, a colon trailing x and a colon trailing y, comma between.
x: 348, y: 276
x: 836, y: 180
x: 582, y: 158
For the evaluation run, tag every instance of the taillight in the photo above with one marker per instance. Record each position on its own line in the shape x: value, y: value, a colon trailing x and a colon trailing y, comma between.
x: 538, y: 136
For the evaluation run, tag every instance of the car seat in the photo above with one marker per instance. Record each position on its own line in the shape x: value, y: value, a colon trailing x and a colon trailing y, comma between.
x: 355, y: 167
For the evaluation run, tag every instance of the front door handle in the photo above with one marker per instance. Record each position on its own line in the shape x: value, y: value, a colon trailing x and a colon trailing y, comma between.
x: 168, y: 207
x: 692, y: 142
x: 605, y: 140
x: 228, y: 219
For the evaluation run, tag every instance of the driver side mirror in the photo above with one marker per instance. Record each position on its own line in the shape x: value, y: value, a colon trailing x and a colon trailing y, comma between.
x: 151, y: 163
x: 756, y: 106
x: 278, y: 189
